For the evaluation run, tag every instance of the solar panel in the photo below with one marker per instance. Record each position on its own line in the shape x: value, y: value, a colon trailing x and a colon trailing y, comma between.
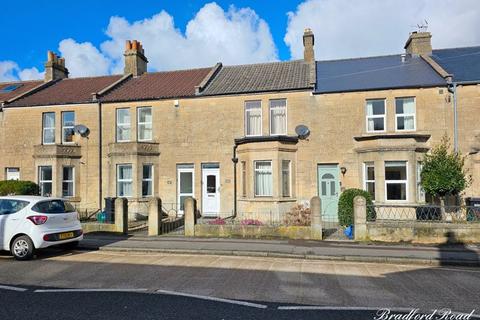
x: 10, y: 88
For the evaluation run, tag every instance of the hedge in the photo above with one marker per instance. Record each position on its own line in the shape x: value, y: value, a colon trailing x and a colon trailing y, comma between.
x: 345, y: 206
x: 17, y: 187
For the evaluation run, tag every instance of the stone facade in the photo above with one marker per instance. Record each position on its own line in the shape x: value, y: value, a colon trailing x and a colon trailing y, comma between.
x: 203, y: 130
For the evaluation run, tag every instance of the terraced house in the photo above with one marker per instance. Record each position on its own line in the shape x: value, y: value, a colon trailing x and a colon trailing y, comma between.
x: 246, y: 138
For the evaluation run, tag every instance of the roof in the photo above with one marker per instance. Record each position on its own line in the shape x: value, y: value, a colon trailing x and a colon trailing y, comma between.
x: 375, y: 73
x: 273, y: 76
x: 23, y: 87
x: 66, y: 91
x: 463, y: 63
x: 158, y: 85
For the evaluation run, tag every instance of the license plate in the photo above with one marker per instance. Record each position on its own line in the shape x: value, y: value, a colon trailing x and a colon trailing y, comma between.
x: 66, y: 235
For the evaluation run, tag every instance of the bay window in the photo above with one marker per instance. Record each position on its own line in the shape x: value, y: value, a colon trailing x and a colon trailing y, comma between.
x: 369, y: 178
x: 68, y: 182
x: 376, y: 115
x: 396, y: 180
x: 405, y: 114
x: 278, y: 117
x: 45, y: 180
x: 263, y: 178
x: 286, y: 183
x: 253, y: 118
x: 124, y: 180
x: 147, y: 180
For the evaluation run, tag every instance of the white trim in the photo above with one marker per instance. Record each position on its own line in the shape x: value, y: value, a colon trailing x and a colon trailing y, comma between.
x: 397, y: 181
x: 151, y: 179
x: 89, y: 290
x: 69, y: 181
x: 117, y: 124
x: 139, y: 124
x: 190, y: 167
x: 270, y: 116
x: 367, y: 117
x: 124, y: 180
x: 2, y: 287
x: 245, y: 118
x: 67, y: 127
x: 406, y: 115
x: 189, y: 295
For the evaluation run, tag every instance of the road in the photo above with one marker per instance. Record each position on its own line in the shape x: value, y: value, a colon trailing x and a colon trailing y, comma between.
x: 117, y: 285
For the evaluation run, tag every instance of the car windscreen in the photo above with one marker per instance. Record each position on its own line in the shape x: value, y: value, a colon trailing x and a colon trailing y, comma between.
x: 9, y: 206
x: 53, y: 206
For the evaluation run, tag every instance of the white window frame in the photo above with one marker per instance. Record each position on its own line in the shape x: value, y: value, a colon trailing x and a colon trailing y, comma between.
x: 397, y: 115
x: 48, y: 128
x: 384, y: 116
x: 42, y: 182
x: 126, y: 125
x: 246, y: 112
x: 143, y: 124
x: 124, y: 180
x: 271, y: 118
x: 255, y: 178
x: 150, y: 180
x: 67, y: 127
x: 69, y: 181
x: 397, y: 181
x: 289, y: 178
x: 7, y: 171
x: 366, y: 165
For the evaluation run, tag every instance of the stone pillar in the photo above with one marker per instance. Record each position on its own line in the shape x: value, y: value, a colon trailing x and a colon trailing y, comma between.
x: 190, y: 210
x: 121, y: 215
x: 316, y: 221
x: 360, y: 218
x: 155, y: 217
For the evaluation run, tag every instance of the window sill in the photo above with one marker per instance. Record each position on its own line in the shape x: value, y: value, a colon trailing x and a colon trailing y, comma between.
x: 398, y: 135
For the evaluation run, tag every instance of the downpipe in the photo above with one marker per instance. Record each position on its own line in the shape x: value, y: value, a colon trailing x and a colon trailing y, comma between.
x: 452, y: 88
x: 235, y: 161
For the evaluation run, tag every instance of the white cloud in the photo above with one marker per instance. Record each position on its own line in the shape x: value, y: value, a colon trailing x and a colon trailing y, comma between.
x: 351, y: 28
x: 83, y: 59
x: 234, y: 36
x: 10, y: 71
x: 30, y: 74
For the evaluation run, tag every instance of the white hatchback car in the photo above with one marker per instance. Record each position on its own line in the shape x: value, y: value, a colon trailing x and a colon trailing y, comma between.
x: 29, y: 222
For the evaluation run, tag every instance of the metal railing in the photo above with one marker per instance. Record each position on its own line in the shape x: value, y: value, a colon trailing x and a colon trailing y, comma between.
x: 423, y: 213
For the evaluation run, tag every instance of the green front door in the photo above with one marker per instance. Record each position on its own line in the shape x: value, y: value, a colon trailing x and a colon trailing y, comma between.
x: 329, y: 190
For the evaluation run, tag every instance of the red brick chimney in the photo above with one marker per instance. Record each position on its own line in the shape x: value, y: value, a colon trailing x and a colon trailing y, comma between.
x: 135, y: 60
x: 55, y: 67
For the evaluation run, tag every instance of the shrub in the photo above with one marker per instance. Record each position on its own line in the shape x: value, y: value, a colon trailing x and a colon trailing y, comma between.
x: 299, y: 215
x: 345, y: 206
x: 17, y: 187
x: 218, y: 222
x: 251, y: 222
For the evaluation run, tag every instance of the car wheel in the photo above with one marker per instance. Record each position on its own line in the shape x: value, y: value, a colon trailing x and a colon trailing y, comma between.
x: 22, y: 248
x: 70, y: 245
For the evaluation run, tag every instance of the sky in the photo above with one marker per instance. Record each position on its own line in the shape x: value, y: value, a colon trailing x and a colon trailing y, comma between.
x: 91, y: 35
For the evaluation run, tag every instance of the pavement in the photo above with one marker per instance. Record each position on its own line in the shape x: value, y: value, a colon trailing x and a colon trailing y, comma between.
x: 440, y: 255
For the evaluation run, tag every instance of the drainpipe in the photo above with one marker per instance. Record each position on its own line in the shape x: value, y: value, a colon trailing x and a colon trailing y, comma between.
x: 235, y: 161
x: 452, y: 88
x: 100, y: 149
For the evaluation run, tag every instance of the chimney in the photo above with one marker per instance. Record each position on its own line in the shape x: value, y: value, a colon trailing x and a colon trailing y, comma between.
x: 308, y: 43
x: 135, y: 60
x: 419, y: 43
x: 55, y: 67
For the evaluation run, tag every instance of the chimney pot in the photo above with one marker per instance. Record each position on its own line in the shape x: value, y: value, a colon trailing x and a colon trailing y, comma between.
x: 128, y: 45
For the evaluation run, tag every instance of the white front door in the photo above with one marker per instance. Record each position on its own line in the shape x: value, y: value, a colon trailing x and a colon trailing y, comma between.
x: 185, y: 184
x: 210, y: 189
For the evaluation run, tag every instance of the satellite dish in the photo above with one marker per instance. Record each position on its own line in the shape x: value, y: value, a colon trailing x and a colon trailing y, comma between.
x: 302, y: 131
x: 82, y: 130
